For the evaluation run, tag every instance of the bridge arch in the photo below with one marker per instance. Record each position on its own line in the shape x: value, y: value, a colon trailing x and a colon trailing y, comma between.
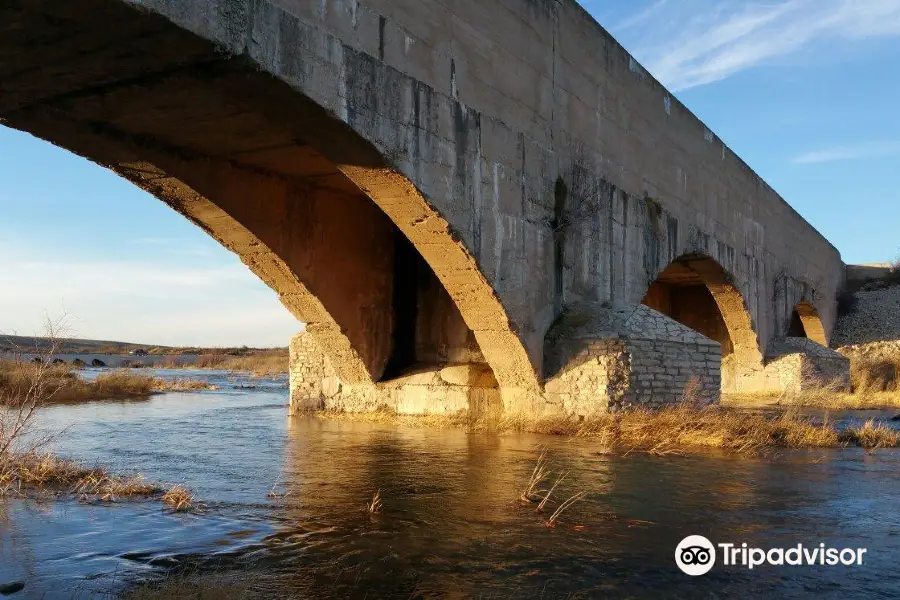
x: 308, y: 204
x: 698, y: 292
x: 805, y: 322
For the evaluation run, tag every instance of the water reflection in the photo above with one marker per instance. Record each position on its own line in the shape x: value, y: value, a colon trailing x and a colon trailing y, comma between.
x: 285, y: 501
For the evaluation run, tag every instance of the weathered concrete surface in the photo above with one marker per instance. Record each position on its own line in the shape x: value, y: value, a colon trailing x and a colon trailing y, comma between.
x: 512, y: 148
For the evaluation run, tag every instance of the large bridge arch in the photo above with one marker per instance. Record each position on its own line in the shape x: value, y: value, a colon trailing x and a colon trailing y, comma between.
x: 805, y: 322
x: 251, y: 160
x: 683, y: 291
x: 698, y: 292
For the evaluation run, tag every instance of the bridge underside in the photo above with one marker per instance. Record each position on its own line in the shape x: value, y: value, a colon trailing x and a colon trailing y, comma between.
x: 400, y: 309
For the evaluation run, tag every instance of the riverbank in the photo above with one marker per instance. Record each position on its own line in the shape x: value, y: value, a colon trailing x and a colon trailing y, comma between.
x: 679, y: 429
x: 59, y: 384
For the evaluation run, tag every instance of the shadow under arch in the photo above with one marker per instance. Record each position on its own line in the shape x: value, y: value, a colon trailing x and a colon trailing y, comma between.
x: 254, y: 163
x: 805, y: 322
x: 698, y: 292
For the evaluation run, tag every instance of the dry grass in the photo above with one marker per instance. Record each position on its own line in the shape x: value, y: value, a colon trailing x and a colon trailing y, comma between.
x: 374, y: 507
x: 832, y: 400
x: 538, y: 475
x: 543, y: 503
x: 676, y: 429
x: 871, y: 435
x: 47, y: 473
x: 122, y: 383
x: 875, y: 375
x: 179, y: 498
x: 181, y: 384
x: 564, y: 506
x: 57, y: 382
x: 28, y: 387
x: 259, y: 364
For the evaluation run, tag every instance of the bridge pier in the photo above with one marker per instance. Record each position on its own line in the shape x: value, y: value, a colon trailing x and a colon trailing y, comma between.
x: 602, y: 358
x: 793, y: 364
x: 429, y: 389
x: 599, y: 359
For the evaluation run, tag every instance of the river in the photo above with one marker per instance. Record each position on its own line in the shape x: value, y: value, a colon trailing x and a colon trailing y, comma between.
x: 283, y: 501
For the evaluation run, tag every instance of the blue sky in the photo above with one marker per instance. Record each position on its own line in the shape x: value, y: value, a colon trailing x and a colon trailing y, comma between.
x: 804, y: 90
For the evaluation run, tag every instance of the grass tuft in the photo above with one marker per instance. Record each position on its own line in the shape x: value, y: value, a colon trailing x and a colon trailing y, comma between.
x: 543, y: 503
x: 374, y: 507
x: 871, y: 435
x: 179, y: 498
x: 564, y: 506
x: 538, y: 475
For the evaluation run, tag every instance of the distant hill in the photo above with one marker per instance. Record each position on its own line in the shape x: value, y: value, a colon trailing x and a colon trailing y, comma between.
x: 18, y: 343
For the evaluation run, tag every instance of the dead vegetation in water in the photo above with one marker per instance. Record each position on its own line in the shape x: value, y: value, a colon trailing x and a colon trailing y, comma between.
x: 564, y: 506
x: 677, y: 429
x: 374, y: 507
x: 687, y: 427
x: 179, y: 498
x: 192, y: 587
x: 32, y: 473
x: 543, y: 502
x: 531, y: 492
x: 871, y: 435
x: 538, y: 475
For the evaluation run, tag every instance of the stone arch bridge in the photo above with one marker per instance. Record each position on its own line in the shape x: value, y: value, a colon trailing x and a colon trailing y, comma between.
x: 471, y: 204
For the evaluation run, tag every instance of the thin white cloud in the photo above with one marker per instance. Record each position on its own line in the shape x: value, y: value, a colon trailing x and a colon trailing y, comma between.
x: 844, y: 153
x: 696, y: 42
x: 642, y: 17
x: 143, y: 302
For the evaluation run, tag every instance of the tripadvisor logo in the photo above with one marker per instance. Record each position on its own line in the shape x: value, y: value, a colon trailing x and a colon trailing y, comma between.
x: 696, y: 555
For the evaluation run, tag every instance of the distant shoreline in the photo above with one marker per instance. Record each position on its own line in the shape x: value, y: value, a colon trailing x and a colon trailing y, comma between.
x: 39, y: 345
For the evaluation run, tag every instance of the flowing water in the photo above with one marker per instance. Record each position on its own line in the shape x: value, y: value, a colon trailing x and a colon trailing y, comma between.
x: 284, y: 503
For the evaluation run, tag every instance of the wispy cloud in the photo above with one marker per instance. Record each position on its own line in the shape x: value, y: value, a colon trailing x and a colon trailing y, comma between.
x: 642, y: 17
x: 843, y: 153
x: 704, y: 41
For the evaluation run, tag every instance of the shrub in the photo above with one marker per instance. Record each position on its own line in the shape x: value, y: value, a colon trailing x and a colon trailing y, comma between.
x: 846, y: 302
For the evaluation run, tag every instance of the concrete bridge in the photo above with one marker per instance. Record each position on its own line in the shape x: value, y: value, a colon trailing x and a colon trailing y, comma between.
x: 472, y: 204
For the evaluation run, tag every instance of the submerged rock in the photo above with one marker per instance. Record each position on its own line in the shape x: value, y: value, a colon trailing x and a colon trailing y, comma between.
x: 7, y: 589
